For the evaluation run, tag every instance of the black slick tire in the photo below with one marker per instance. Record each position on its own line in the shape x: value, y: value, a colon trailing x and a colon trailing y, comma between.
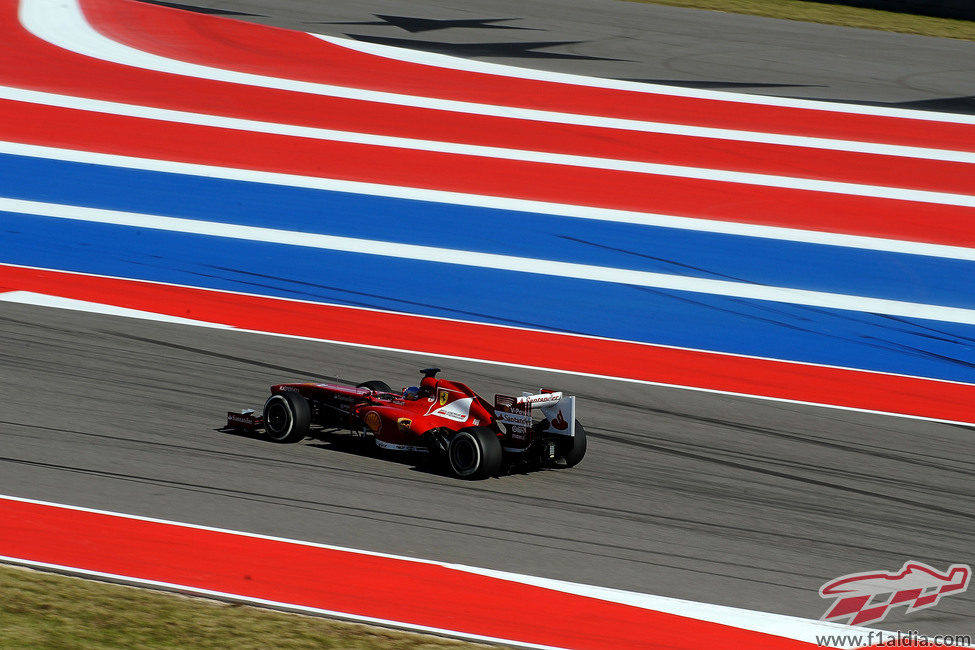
x: 474, y: 453
x: 375, y: 384
x: 573, y: 449
x: 286, y: 417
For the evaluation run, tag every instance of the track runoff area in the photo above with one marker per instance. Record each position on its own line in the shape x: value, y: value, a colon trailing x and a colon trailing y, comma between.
x: 221, y: 174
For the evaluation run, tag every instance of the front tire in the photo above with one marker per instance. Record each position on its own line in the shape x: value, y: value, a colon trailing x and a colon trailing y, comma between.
x: 286, y: 417
x: 375, y: 384
x: 573, y: 449
x: 474, y: 453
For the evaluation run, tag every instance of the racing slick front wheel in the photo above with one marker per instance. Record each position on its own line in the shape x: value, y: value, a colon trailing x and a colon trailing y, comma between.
x: 573, y: 449
x: 474, y: 453
x: 286, y: 417
x: 375, y: 384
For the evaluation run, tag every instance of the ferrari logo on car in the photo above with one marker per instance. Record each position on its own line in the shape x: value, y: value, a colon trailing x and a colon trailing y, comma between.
x: 444, y: 396
x: 404, y: 424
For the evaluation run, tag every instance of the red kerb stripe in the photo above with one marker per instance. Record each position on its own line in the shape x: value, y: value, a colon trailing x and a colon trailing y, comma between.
x: 353, y: 583
x: 712, y: 371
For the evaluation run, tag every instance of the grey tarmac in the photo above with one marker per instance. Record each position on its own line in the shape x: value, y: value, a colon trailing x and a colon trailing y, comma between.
x: 654, y: 43
x: 736, y: 501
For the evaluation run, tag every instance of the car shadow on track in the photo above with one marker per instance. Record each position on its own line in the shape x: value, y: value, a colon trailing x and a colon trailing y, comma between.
x: 341, y: 441
x: 418, y: 461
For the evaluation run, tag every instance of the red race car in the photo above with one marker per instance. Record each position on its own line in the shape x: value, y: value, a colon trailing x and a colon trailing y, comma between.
x: 445, y: 418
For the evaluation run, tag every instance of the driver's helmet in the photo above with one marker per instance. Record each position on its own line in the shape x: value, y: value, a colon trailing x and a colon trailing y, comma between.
x: 411, y: 393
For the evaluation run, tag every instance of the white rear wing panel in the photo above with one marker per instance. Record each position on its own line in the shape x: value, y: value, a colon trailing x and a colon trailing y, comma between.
x: 558, y: 409
x: 561, y: 416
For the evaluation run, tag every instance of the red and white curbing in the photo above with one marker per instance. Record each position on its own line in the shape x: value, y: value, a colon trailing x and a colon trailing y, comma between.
x: 729, y: 374
x: 377, y: 588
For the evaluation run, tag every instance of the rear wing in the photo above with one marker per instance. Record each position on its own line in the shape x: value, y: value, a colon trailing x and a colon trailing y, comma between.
x: 558, y: 410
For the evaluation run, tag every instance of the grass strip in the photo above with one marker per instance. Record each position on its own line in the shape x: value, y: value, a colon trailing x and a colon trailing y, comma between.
x: 45, y: 610
x: 831, y: 14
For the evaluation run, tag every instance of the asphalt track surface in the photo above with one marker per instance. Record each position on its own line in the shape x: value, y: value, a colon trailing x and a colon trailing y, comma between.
x: 651, y: 43
x: 734, y: 501
x: 726, y: 500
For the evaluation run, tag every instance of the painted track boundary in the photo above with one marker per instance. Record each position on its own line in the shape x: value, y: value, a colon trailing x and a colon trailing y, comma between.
x: 843, y: 388
x: 377, y: 588
x: 790, y: 234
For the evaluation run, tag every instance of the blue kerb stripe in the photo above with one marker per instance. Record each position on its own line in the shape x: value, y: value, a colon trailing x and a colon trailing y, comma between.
x: 751, y: 327
x: 830, y: 269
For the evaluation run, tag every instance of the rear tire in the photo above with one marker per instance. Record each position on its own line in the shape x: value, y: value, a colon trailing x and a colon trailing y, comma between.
x: 573, y: 449
x: 286, y: 417
x: 474, y: 453
x: 375, y: 384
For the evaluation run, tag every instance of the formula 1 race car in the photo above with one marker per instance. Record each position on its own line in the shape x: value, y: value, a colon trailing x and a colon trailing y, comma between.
x: 444, y: 418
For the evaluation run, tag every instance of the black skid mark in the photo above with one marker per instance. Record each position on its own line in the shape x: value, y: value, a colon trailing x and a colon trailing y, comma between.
x: 199, y: 10
x: 415, y: 25
x: 704, y: 85
x: 964, y: 105
x: 372, y: 300
x: 502, y: 50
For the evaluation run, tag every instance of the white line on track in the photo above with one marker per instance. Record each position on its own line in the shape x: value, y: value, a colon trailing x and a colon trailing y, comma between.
x: 29, y: 297
x: 495, y: 202
x: 542, y: 157
x: 56, y: 302
x: 590, y: 162
x: 791, y: 627
x: 496, y: 262
x: 62, y: 23
x: 484, y: 67
x: 44, y: 300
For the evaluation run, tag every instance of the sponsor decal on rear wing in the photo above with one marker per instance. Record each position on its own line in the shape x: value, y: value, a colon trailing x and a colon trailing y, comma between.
x: 558, y: 409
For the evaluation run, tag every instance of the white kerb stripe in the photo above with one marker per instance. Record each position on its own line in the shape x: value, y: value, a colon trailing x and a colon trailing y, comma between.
x: 29, y: 298
x: 496, y: 262
x: 62, y: 23
x: 570, y: 337
x: 791, y: 627
x: 151, y: 112
x: 44, y: 300
x: 484, y: 67
x: 494, y: 202
x: 542, y: 157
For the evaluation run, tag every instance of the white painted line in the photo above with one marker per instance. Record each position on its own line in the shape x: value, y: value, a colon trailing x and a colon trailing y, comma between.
x: 444, y: 319
x: 258, y: 602
x: 495, y: 202
x: 79, y: 305
x: 43, y: 300
x: 483, y: 67
x: 149, y: 112
x: 62, y: 23
x: 791, y: 627
x: 522, y: 155
x: 497, y: 262
x: 90, y: 307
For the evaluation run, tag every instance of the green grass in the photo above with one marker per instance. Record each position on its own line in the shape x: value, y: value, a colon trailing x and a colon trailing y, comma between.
x: 43, y: 610
x: 830, y: 14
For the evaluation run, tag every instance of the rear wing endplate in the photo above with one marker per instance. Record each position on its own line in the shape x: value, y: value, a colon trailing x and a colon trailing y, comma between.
x: 558, y: 410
